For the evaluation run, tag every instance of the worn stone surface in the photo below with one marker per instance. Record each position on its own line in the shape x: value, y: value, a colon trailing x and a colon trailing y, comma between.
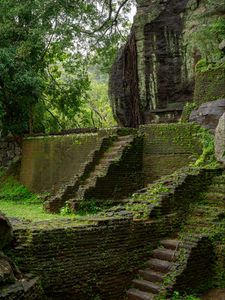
x: 220, y: 140
x: 153, y: 59
x: 208, y: 114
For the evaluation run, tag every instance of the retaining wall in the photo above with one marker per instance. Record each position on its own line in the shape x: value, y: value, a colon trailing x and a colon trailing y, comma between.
x: 168, y: 147
x: 50, y: 161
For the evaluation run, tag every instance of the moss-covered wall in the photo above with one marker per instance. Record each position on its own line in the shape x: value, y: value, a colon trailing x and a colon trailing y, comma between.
x: 48, y: 162
x: 81, y: 262
x: 168, y: 147
x: 209, y: 86
x: 98, y: 256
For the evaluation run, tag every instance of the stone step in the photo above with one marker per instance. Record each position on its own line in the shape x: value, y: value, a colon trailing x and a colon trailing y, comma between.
x: 146, y: 286
x: 171, y: 244
x: 151, y: 275
x: 100, y: 167
x: 124, y: 137
x: 111, y: 154
x: 156, y: 264
x: 134, y: 294
x: 116, y: 147
x: 107, y: 160
x: 121, y: 143
x: 165, y: 254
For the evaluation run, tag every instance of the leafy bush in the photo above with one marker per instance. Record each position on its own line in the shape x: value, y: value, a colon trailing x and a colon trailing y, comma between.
x: 12, y: 190
x: 207, y: 158
x: 177, y: 296
x: 188, y: 108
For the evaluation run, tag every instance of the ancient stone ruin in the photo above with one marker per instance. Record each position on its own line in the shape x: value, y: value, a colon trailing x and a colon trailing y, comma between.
x: 134, y: 212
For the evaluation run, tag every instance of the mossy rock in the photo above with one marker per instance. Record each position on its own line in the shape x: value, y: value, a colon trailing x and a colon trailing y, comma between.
x: 5, y: 231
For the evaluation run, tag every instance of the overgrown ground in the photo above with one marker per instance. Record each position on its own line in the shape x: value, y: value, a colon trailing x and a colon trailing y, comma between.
x: 17, y: 201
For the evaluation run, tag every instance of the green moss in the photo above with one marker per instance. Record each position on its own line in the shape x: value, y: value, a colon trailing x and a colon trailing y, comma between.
x: 207, y: 157
x: 209, y: 85
x: 12, y: 190
x: 188, y: 108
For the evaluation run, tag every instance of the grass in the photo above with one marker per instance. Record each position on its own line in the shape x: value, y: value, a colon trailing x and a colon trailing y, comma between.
x: 17, y: 201
x: 26, y: 211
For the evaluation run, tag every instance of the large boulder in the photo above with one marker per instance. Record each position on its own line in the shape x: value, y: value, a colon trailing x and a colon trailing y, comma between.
x: 208, y: 114
x: 220, y: 140
x: 154, y: 73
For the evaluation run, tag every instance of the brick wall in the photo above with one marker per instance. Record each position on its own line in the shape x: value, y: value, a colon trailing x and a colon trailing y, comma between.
x: 168, y: 147
x: 81, y: 262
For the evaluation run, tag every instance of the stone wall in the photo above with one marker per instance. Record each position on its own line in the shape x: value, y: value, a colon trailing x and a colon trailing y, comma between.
x: 83, y: 261
x: 209, y: 86
x: 96, y: 257
x: 168, y: 147
x: 198, y: 273
x: 50, y: 161
x: 9, y: 150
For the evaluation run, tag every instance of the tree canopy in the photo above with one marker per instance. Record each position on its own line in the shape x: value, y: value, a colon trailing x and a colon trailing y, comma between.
x: 46, y: 48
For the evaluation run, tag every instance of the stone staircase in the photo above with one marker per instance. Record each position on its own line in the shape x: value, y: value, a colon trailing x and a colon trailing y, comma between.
x: 150, y: 282
x: 111, y: 156
x: 166, y: 268
x: 108, y: 152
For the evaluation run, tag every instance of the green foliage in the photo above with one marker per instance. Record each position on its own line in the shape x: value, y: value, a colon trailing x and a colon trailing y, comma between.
x: 66, y: 210
x: 207, y: 158
x: 188, y: 108
x: 12, y: 190
x: 45, y: 50
x: 177, y: 296
x: 207, y: 38
x: 99, y: 104
x: 203, y: 65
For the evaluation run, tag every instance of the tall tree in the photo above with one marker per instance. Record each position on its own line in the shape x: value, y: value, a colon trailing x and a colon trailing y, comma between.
x: 40, y: 42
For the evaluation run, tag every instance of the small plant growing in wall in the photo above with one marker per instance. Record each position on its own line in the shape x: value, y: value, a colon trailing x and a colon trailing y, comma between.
x: 66, y: 210
x: 177, y: 296
x: 207, y: 158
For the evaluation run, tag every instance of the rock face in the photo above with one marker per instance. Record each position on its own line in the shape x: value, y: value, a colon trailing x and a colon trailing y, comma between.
x: 6, y: 270
x: 220, y: 140
x: 208, y: 114
x: 153, y: 75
